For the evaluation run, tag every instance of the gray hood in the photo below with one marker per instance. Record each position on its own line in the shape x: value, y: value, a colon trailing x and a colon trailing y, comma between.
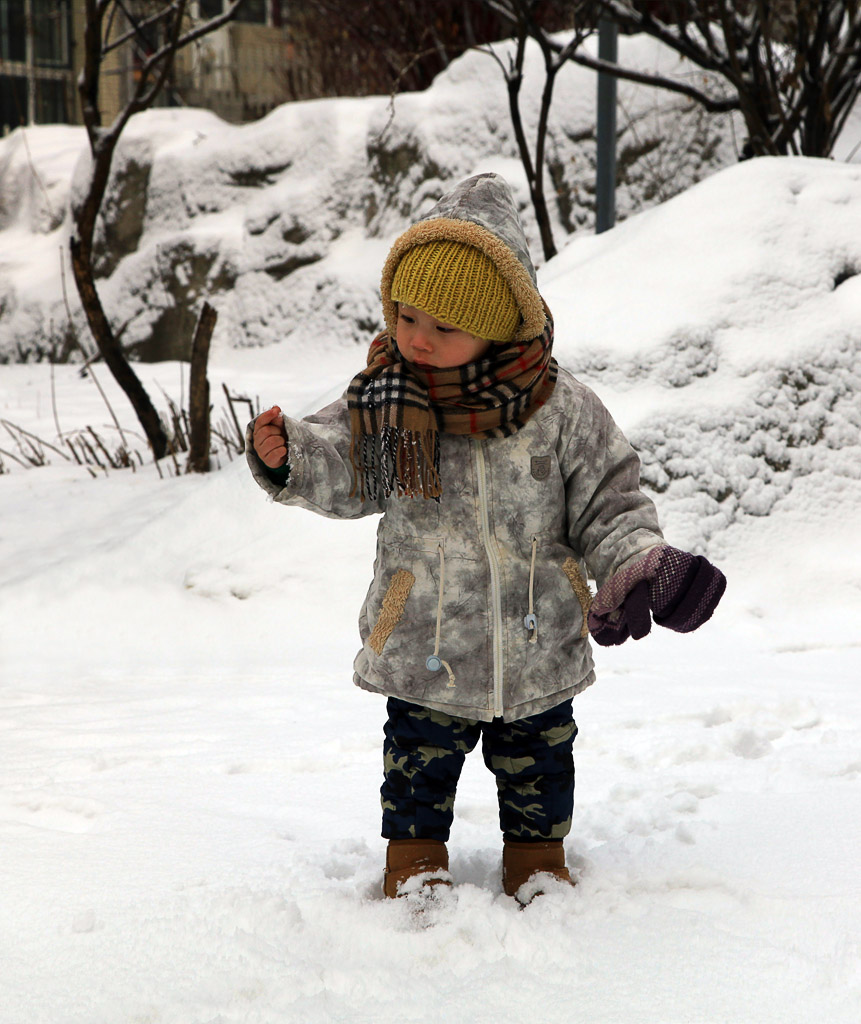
x: 487, y: 200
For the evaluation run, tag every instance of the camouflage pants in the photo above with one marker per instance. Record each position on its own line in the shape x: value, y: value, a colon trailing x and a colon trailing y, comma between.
x: 424, y: 752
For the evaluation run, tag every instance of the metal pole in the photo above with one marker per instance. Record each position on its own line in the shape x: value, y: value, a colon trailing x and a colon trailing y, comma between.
x: 605, y: 172
x: 30, y: 61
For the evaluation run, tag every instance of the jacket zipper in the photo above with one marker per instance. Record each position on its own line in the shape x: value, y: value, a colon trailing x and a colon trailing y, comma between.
x: 495, y: 590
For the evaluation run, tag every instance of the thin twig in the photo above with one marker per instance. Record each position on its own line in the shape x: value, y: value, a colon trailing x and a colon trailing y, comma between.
x: 92, y: 452
x: 26, y: 433
x: 114, y: 463
x: 36, y: 175
x: 239, y: 435
x: 393, y: 95
x: 73, y: 451
x: 9, y: 455
x: 54, y: 402
x: 136, y: 29
x: 110, y: 407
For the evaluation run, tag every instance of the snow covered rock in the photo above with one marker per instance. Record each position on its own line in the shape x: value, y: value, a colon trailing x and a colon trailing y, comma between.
x: 270, y: 221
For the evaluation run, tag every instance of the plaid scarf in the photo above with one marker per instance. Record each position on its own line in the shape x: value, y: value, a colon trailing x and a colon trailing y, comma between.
x: 397, y: 410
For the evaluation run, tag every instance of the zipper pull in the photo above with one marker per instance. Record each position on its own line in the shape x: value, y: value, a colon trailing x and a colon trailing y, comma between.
x: 531, y: 620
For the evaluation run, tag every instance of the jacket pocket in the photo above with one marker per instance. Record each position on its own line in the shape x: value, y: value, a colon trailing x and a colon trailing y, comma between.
x: 392, y: 609
x: 581, y: 590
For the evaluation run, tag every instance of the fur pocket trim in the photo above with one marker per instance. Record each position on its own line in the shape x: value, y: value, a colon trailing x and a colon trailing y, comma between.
x: 391, y: 609
x: 581, y: 590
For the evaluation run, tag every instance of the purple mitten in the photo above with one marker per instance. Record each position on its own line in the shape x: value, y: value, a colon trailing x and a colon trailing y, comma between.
x: 679, y: 589
x: 631, y: 618
x: 685, y: 591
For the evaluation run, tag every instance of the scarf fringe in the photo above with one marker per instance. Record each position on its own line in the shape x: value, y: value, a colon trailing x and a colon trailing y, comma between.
x: 396, y: 416
x: 405, y: 462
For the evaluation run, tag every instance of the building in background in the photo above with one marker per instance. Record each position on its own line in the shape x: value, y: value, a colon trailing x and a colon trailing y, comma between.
x: 237, y: 72
x: 36, y: 77
x: 274, y: 51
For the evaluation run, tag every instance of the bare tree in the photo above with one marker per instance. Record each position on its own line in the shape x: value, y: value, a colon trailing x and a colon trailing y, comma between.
x: 528, y: 19
x: 791, y: 67
x: 157, y: 30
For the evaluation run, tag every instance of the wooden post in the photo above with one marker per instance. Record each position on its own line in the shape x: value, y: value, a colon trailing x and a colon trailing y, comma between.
x: 198, y: 392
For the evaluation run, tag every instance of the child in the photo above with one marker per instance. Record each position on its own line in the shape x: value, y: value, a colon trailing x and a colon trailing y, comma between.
x: 502, y: 480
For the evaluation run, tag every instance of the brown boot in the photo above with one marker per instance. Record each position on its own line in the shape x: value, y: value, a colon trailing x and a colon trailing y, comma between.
x: 406, y: 858
x: 520, y: 861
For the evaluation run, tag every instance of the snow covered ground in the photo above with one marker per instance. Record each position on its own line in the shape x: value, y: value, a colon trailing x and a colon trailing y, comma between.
x: 189, y: 814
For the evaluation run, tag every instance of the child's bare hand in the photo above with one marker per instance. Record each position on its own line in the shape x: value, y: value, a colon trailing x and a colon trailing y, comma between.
x: 270, y: 440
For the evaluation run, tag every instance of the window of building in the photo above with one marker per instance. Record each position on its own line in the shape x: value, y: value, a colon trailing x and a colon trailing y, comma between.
x: 256, y: 12
x: 51, y: 33
x: 210, y: 8
x: 52, y: 101
x: 13, y: 38
x: 253, y: 11
x: 13, y: 102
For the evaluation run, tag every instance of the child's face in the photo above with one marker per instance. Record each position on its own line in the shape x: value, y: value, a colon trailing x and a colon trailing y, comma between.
x: 428, y: 342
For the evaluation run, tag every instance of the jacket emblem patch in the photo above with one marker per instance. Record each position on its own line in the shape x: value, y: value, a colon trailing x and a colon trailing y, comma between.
x: 540, y: 466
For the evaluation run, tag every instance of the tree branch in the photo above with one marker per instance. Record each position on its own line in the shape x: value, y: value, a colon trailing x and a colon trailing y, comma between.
x: 851, y: 92
x: 514, y: 79
x: 704, y: 28
x: 211, y: 25
x: 632, y: 21
x: 765, y: 78
x: 88, y: 79
x: 165, y: 57
x: 136, y: 29
x: 714, y: 106
x: 489, y: 50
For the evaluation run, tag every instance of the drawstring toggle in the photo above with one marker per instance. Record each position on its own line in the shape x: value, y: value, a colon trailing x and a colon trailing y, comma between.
x: 434, y: 662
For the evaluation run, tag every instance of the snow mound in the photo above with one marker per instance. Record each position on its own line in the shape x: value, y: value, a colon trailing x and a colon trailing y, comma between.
x: 270, y: 220
x: 723, y: 328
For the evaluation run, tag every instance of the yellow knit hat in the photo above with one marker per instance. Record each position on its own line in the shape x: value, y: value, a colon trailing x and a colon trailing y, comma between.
x: 460, y: 285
